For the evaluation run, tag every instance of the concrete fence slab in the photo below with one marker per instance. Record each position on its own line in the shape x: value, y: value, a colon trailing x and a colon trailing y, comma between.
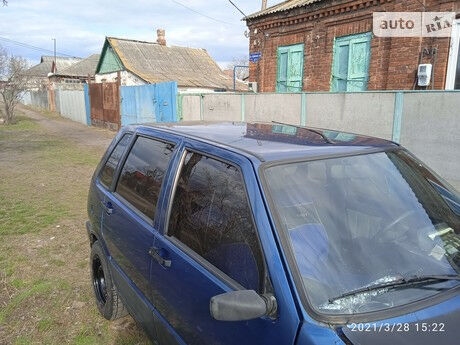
x: 284, y: 108
x: 221, y: 107
x: 190, y: 107
x: 430, y: 128
x: 370, y: 114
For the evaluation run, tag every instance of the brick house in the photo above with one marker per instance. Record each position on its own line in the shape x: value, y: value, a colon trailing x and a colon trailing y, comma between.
x: 328, y: 45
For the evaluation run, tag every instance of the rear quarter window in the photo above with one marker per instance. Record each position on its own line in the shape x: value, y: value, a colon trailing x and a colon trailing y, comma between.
x: 108, y: 170
x: 143, y: 172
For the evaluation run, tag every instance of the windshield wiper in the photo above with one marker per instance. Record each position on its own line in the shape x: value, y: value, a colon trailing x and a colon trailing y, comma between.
x: 399, y: 283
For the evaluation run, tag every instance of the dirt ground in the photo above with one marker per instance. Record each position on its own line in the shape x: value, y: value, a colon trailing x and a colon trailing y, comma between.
x: 46, y: 163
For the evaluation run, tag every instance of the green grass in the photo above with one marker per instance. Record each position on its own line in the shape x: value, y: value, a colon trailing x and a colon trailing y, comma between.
x: 86, y: 337
x: 21, y: 217
x: 21, y: 124
x: 45, y: 325
x: 30, y: 202
x: 23, y: 340
x: 18, y: 283
x: 39, y: 287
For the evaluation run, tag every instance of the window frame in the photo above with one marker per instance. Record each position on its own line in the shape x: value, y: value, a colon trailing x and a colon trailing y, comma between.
x: 264, y: 278
x: 107, y: 157
x: 122, y: 163
x: 451, y: 72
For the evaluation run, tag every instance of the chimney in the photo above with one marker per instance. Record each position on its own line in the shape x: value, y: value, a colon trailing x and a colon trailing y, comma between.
x: 161, y: 37
x: 264, y: 4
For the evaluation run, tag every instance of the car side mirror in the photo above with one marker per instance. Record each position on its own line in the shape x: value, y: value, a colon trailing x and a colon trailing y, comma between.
x: 242, y: 305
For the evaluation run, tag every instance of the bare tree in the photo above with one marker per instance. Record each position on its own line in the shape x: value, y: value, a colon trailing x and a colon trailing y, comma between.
x: 5, y: 2
x: 241, y: 73
x: 13, y: 82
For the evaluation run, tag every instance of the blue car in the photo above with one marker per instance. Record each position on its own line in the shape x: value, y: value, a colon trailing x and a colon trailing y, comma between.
x: 266, y: 233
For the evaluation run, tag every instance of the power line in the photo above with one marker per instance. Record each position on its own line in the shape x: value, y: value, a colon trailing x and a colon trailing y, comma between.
x: 29, y: 46
x: 237, y: 8
x: 201, y: 14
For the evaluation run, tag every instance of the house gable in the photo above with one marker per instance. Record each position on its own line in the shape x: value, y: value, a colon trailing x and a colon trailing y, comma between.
x: 109, y: 61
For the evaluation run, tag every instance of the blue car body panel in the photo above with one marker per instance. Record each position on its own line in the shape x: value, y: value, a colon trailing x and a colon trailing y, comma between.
x: 172, y: 303
x: 183, y: 290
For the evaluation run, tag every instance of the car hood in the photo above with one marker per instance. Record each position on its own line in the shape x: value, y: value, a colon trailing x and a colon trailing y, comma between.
x: 437, y: 324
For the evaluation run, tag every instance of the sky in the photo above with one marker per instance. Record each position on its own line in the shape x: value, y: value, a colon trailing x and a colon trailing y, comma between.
x: 80, y: 26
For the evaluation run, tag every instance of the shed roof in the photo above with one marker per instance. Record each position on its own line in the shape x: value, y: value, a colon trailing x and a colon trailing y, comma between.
x: 283, y: 6
x: 153, y: 62
x: 82, y: 68
x: 44, y: 67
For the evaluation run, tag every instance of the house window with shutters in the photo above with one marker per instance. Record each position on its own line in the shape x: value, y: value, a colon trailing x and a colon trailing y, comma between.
x: 350, y: 67
x: 290, y: 68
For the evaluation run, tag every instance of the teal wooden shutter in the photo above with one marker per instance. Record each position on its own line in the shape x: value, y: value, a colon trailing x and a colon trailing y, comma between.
x: 295, y: 68
x: 281, y: 80
x: 358, y: 64
x: 340, y: 66
x: 350, y: 69
x: 290, y: 68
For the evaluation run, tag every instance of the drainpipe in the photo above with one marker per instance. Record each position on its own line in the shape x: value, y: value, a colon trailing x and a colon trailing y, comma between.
x: 234, y: 75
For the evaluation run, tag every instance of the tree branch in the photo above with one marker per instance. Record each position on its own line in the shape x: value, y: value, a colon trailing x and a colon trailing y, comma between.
x: 14, y: 80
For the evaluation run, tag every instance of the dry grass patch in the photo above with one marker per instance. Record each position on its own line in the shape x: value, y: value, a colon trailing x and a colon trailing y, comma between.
x: 45, y: 291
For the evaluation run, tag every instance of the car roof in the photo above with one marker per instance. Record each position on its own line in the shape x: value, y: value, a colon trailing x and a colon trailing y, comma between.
x: 275, y: 141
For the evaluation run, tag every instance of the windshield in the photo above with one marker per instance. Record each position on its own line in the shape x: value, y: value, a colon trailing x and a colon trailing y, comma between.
x: 358, y: 221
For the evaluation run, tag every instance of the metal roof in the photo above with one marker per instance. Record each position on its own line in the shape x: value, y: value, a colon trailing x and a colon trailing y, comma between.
x: 189, y: 67
x: 82, y: 68
x: 272, y: 141
x: 283, y: 6
x: 44, y: 67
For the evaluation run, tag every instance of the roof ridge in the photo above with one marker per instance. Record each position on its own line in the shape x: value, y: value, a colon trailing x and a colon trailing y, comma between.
x: 174, y: 46
x: 131, y: 40
x: 282, y: 6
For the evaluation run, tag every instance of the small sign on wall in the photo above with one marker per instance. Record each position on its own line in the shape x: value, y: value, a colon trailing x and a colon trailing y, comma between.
x: 254, y: 57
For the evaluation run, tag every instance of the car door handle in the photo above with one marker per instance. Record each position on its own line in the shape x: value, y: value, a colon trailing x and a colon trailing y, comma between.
x: 156, y: 254
x: 108, y: 207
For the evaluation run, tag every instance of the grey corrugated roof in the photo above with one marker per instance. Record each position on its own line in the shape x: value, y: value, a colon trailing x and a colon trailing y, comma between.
x: 189, y: 67
x: 82, y: 68
x: 44, y: 67
x: 283, y: 6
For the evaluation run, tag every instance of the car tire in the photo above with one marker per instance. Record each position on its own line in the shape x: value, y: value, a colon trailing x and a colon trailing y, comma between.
x: 107, y: 299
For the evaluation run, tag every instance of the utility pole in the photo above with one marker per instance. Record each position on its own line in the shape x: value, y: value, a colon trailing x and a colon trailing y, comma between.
x: 55, y: 66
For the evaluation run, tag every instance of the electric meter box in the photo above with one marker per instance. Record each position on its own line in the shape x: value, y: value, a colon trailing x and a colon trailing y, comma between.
x: 424, y: 74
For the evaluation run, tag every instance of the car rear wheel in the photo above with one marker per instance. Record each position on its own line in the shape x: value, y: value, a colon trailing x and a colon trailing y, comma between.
x: 107, y: 299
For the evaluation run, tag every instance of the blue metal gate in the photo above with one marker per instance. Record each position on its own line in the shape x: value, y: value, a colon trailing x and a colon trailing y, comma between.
x: 149, y: 103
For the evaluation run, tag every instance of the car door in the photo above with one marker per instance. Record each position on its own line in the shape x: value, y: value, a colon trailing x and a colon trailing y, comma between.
x: 129, y: 219
x: 103, y: 180
x: 210, y: 246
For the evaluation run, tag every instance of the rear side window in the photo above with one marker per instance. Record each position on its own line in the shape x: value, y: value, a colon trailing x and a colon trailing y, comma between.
x: 142, y: 175
x: 110, y: 166
x: 211, y: 215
